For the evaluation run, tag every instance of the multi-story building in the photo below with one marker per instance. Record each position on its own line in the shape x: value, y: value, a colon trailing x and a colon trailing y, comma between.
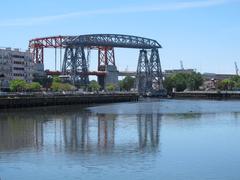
x: 174, y: 71
x: 15, y: 64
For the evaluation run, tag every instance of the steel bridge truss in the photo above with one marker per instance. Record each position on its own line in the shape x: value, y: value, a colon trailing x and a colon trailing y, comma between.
x: 75, y: 63
x: 36, y: 46
x: 142, y: 72
x: 106, y: 56
x: 112, y: 40
x: 149, y: 73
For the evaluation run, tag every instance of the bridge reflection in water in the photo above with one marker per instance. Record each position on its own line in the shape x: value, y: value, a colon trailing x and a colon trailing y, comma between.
x: 78, y: 131
x: 148, y: 128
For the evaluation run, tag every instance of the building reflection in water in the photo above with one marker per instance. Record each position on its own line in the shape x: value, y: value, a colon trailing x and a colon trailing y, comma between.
x: 148, y: 130
x: 76, y: 131
x: 20, y: 132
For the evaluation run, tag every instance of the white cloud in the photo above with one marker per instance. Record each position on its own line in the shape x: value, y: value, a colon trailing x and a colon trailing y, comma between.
x: 123, y: 10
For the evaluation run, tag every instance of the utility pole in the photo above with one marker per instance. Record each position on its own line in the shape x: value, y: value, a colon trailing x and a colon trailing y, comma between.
x: 236, y: 68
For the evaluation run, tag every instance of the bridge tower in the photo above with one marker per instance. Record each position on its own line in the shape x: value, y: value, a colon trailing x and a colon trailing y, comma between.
x: 106, y: 62
x: 149, y: 73
x: 156, y: 76
x: 75, y: 64
x: 143, y: 72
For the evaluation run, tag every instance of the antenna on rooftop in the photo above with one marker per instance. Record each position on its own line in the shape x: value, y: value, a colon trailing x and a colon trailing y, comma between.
x: 236, y: 68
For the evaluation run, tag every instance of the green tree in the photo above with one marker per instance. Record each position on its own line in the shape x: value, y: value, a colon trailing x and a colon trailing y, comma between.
x: 18, y: 85
x: 236, y: 79
x: 57, y: 86
x: 94, y: 86
x: 34, y: 86
x: 111, y: 87
x: 68, y: 87
x: 226, y: 84
x: 182, y: 81
x: 194, y: 81
x: 127, y: 83
x: 179, y: 81
x: 168, y: 84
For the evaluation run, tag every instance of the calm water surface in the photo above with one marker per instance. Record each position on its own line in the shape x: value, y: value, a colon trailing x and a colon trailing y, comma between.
x: 151, y: 139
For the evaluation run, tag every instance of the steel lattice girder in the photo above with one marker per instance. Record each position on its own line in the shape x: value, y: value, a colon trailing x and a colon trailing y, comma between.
x: 106, y: 56
x: 36, y: 46
x: 47, y: 42
x: 149, y: 72
x: 143, y: 71
x: 155, y: 69
x: 75, y: 63
x: 111, y: 40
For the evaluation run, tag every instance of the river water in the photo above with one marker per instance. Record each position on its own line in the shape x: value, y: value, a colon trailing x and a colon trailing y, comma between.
x: 151, y: 139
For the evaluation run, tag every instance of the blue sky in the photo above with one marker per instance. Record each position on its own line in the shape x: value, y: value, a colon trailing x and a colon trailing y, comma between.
x: 204, y: 34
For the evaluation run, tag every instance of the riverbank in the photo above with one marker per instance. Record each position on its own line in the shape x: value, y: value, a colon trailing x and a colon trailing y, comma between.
x: 34, y: 100
x: 207, y: 95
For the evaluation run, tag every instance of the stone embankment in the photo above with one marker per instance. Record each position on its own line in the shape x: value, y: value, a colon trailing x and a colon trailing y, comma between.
x: 33, y: 100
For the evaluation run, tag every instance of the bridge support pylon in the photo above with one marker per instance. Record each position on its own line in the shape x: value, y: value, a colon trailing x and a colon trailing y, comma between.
x: 149, y: 74
x: 142, y: 79
x: 156, y: 75
x: 106, y: 62
x: 74, y: 63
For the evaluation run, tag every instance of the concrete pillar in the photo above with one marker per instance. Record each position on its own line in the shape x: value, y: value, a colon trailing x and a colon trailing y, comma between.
x: 110, y: 78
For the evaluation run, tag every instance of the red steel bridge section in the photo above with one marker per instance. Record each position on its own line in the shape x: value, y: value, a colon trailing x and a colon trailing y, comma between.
x: 37, y: 46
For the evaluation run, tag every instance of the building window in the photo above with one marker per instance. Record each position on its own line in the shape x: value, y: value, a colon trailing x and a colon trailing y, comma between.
x: 17, y: 56
x: 18, y: 62
x: 19, y: 75
x: 18, y: 68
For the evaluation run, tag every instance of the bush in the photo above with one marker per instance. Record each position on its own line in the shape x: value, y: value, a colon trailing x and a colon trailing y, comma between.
x: 111, y: 87
x: 18, y: 85
x: 227, y: 84
x: 127, y: 83
x: 34, y: 86
x: 57, y: 86
x: 94, y: 86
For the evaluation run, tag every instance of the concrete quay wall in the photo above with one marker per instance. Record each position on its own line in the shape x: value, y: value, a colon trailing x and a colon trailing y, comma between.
x: 221, y: 95
x: 33, y: 101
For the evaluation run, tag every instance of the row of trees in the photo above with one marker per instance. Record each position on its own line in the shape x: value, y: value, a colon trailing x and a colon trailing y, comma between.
x: 181, y: 81
x: 21, y: 85
x: 55, y: 84
x: 125, y: 85
x: 94, y: 86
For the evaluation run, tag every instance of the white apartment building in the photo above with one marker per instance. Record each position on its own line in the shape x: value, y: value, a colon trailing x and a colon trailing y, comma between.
x: 15, y: 64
